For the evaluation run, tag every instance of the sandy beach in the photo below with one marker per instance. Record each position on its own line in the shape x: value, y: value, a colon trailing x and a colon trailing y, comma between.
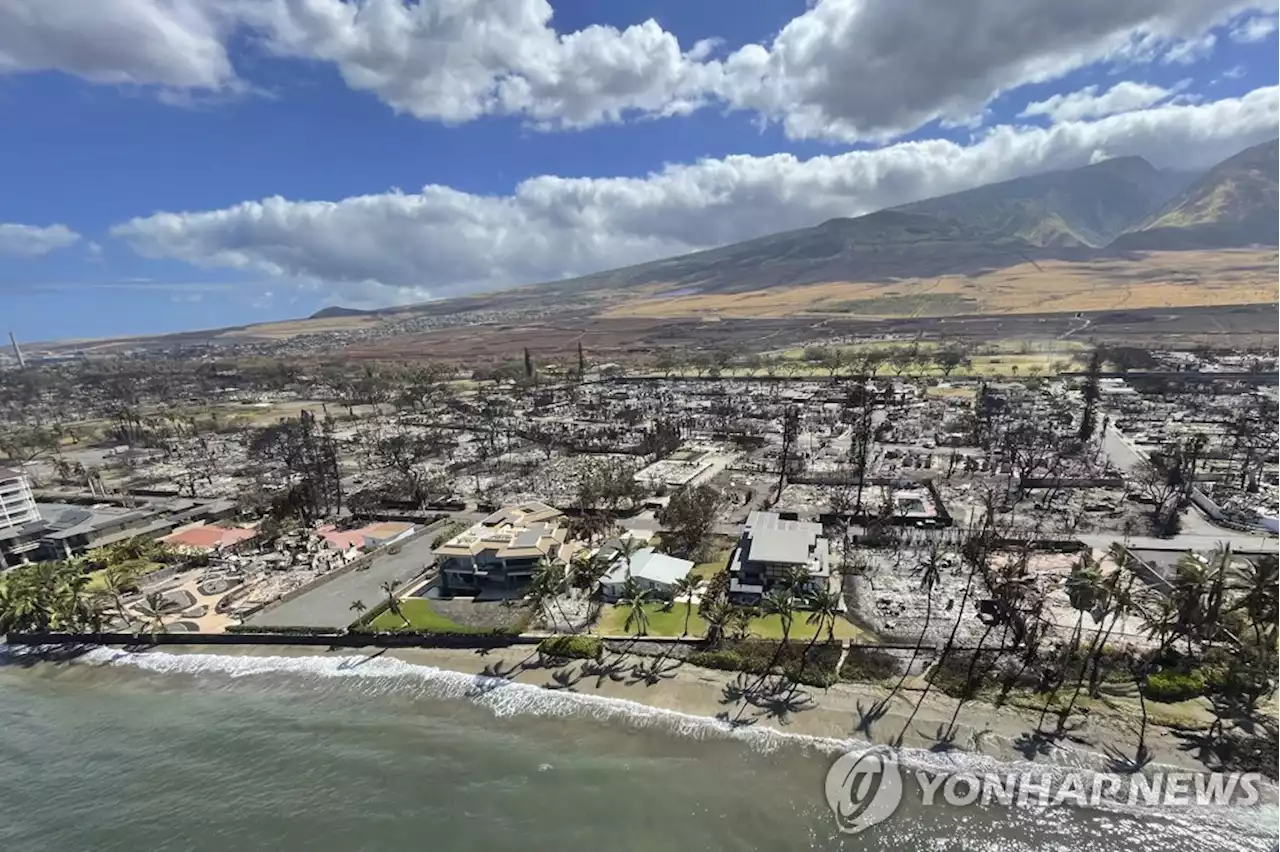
x: 837, y: 714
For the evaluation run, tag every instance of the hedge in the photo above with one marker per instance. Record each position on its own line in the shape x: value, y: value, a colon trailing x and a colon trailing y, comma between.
x: 1170, y: 686
x: 869, y: 664
x: 754, y: 657
x: 572, y: 647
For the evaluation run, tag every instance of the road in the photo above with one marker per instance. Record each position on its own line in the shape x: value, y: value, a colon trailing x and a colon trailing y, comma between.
x: 1239, y: 542
x: 1118, y: 448
x: 329, y: 604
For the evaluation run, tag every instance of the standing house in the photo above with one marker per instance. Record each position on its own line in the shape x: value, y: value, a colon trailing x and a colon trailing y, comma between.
x: 499, y: 554
x: 770, y: 550
x: 20, y: 523
x: 656, y: 572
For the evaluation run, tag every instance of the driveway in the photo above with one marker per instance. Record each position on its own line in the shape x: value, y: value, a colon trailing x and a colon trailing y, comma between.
x: 329, y: 604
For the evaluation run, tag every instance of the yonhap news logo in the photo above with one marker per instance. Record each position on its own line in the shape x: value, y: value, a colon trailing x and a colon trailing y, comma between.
x: 865, y: 788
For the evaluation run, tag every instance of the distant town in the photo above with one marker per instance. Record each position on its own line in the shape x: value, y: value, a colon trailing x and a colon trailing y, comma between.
x: 1033, y: 518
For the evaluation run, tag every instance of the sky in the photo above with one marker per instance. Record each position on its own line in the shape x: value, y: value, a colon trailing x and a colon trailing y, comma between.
x: 169, y: 165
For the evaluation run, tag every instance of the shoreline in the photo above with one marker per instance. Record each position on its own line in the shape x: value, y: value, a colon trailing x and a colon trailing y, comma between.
x: 834, y: 718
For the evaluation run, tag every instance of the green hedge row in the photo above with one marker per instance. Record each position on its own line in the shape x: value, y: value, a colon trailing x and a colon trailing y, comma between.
x: 1170, y: 686
x: 572, y: 647
x: 869, y: 664
x: 755, y: 656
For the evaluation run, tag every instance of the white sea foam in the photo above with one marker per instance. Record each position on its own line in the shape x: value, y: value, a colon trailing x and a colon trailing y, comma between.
x: 505, y: 698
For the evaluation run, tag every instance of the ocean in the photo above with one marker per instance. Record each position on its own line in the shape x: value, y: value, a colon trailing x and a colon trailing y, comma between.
x: 164, y: 751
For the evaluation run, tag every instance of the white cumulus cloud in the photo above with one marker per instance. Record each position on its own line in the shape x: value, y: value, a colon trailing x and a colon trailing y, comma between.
x: 1087, y: 103
x: 845, y: 70
x: 396, y: 247
x: 33, y: 240
x: 178, y: 43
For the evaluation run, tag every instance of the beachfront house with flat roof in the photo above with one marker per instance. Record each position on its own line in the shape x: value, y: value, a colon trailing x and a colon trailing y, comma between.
x: 653, y: 571
x: 498, y: 555
x: 772, y: 549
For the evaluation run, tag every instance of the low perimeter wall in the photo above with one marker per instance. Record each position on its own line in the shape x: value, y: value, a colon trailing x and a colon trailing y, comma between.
x: 330, y: 640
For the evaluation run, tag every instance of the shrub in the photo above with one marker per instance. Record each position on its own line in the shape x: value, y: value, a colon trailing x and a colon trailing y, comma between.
x: 863, y: 664
x: 755, y: 656
x: 575, y: 647
x: 730, y: 661
x: 1170, y: 686
x: 951, y: 674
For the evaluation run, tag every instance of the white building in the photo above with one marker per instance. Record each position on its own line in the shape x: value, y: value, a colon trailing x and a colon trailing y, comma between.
x: 653, y: 571
x: 17, y: 505
x: 499, y: 554
x: 771, y: 550
x: 18, y: 517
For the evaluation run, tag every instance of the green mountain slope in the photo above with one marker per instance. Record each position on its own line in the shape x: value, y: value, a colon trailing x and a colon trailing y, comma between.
x: 1087, y: 206
x: 884, y: 246
x: 1234, y: 204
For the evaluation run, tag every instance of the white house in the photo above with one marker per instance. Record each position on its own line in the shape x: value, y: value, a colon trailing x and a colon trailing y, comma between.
x: 656, y: 572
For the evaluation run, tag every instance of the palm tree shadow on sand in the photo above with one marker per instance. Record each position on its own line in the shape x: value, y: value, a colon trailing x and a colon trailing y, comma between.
x: 1122, y: 762
x: 565, y: 679
x: 655, y: 670
x: 868, y: 716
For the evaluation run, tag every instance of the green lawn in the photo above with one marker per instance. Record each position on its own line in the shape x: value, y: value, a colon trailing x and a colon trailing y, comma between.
x: 662, y: 623
x: 704, y: 570
x: 613, y: 620
x: 421, y: 617
x: 770, y: 627
x: 131, y: 569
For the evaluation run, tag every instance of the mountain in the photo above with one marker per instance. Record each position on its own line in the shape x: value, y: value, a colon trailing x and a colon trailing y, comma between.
x: 1087, y: 206
x: 884, y: 246
x: 1233, y: 205
x: 336, y: 311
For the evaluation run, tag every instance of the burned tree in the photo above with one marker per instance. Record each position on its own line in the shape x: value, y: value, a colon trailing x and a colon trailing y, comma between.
x: 301, y: 455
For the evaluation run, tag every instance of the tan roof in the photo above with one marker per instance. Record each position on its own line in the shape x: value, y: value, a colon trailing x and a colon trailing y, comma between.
x: 529, y: 530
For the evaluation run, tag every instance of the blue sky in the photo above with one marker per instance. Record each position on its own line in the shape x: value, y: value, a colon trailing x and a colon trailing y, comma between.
x: 200, y: 163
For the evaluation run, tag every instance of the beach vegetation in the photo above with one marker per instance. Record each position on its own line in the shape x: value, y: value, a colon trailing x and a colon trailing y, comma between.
x: 574, y: 647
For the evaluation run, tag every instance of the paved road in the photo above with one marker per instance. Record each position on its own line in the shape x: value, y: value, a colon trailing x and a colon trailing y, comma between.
x: 1240, y: 542
x: 329, y: 604
x: 1121, y: 452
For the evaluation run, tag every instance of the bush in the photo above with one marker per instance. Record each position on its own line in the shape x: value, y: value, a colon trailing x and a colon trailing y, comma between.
x: 1171, y: 686
x: 863, y: 664
x: 572, y: 647
x: 729, y: 661
x: 754, y: 657
x: 951, y: 674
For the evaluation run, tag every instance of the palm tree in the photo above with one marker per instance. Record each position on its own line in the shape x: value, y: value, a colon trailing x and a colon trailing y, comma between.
x: 356, y: 606
x: 1257, y: 585
x: 780, y: 602
x: 930, y: 572
x: 976, y: 551
x: 114, y: 581
x: 393, y: 603
x: 153, y: 607
x: 824, y: 609
x: 717, y: 616
x: 636, y: 598
x: 551, y: 580
x: 1113, y: 598
x: 683, y: 588
x: 1084, y: 588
